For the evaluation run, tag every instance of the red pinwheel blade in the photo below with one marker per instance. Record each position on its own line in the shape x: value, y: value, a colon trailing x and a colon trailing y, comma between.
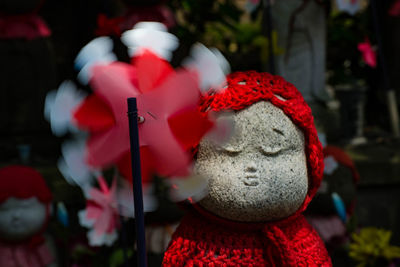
x: 113, y: 84
x: 189, y: 126
x: 93, y: 115
x: 151, y: 70
x: 113, y: 78
x: 168, y: 156
x: 177, y: 93
x: 147, y: 170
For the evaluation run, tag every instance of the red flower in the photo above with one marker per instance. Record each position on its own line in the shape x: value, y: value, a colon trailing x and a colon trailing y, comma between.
x: 368, y: 53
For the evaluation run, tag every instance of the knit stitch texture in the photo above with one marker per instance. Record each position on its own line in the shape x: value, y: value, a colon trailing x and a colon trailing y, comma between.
x: 206, y: 241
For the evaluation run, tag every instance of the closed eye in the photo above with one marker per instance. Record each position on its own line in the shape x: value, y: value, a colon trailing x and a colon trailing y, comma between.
x: 231, y: 153
x: 271, y: 151
x: 230, y: 150
x: 5, y: 208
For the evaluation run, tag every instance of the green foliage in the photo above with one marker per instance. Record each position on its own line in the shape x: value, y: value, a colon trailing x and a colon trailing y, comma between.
x: 370, y: 247
x: 193, y: 15
x: 219, y: 24
x: 117, y: 257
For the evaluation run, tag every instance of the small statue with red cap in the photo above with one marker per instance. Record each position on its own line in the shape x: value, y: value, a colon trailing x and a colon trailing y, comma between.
x: 259, y: 182
x: 25, y: 203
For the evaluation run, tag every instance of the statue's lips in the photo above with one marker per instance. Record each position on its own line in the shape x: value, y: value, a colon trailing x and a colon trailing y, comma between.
x: 18, y: 225
x: 251, y: 180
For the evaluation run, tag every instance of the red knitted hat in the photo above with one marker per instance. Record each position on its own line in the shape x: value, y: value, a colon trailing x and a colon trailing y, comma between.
x: 23, y: 182
x: 247, y: 88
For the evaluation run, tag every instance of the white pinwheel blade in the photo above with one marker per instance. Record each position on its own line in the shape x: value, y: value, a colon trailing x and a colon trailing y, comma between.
x: 223, y: 130
x: 73, y: 164
x: 194, y: 187
x: 125, y: 199
x: 210, y: 65
x: 97, y: 51
x: 103, y: 239
x: 59, y: 106
x: 152, y: 36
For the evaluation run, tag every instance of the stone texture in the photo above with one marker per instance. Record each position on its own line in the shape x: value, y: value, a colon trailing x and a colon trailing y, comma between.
x: 303, y: 60
x: 261, y: 173
x: 21, y: 218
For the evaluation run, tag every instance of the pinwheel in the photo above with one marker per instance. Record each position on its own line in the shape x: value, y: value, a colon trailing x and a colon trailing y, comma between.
x: 101, y: 214
x: 167, y: 104
x: 170, y: 124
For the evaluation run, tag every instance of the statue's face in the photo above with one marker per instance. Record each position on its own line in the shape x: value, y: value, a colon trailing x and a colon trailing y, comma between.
x: 261, y: 173
x: 21, y: 218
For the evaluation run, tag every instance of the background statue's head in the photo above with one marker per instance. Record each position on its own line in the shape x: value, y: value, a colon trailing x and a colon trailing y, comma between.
x: 272, y: 166
x: 24, y: 203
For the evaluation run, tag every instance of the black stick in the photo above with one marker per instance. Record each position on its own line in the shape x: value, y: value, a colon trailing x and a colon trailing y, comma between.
x: 268, y: 28
x: 137, y: 182
x: 124, y: 241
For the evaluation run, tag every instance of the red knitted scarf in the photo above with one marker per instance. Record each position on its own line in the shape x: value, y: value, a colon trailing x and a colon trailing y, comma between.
x: 203, y: 239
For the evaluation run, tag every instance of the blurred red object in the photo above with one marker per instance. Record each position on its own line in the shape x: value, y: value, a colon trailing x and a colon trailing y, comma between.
x: 134, y: 14
x: 108, y: 26
x: 394, y: 10
x: 23, y: 26
x: 368, y: 53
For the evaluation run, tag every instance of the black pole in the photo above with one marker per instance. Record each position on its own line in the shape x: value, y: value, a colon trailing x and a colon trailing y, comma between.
x: 268, y: 29
x: 137, y: 182
x: 124, y: 241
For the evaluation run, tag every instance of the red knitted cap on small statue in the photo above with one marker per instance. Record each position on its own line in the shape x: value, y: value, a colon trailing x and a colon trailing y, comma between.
x: 246, y: 88
x: 23, y: 182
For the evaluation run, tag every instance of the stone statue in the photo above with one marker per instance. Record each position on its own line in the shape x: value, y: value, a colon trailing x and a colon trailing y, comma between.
x: 259, y: 182
x: 24, y: 213
x: 301, y: 28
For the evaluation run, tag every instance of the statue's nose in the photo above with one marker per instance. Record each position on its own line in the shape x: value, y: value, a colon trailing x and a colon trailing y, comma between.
x: 251, y: 167
x: 16, y: 215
